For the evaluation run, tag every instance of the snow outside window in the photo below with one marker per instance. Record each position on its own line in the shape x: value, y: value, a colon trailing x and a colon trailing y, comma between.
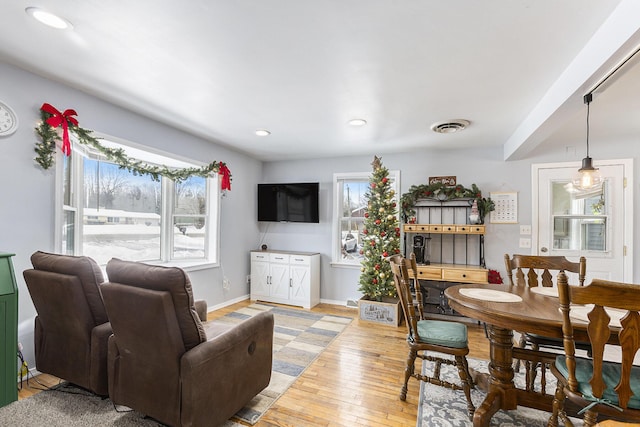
x: 107, y: 212
x: 350, y: 205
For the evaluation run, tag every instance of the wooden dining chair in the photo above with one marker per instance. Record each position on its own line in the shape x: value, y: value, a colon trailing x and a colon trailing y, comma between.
x: 427, y: 338
x: 532, y: 271
x: 601, y: 387
x: 416, y: 290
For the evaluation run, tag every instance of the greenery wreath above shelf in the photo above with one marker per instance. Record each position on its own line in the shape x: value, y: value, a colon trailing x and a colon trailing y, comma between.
x: 442, y: 192
x: 48, y: 132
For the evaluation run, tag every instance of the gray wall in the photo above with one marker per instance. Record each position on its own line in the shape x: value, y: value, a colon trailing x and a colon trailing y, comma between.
x: 484, y: 167
x: 27, y: 191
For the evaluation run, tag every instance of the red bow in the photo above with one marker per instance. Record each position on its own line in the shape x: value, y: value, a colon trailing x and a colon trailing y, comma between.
x: 226, y: 177
x: 57, y: 118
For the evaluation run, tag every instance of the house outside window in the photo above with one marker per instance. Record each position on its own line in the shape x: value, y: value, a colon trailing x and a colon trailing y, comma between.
x: 107, y: 212
x: 350, y: 205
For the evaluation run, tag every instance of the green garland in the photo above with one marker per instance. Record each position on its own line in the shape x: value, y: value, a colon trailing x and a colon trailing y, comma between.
x: 45, y: 151
x: 442, y: 192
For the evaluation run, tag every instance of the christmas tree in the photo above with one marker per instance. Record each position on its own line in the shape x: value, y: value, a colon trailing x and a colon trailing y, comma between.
x: 381, y: 236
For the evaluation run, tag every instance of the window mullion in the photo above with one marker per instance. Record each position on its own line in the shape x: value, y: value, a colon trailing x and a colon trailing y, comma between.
x: 77, y: 186
x: 166, y: 237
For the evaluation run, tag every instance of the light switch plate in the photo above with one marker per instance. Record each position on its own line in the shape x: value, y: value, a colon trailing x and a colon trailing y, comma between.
x: 525, y: 243
x: 525, y: 229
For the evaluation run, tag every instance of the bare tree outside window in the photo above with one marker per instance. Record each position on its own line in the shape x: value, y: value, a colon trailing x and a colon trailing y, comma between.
x: 112, y: 212
x: 189, y: 218
x: 121, y: 214
x: 351, y: 204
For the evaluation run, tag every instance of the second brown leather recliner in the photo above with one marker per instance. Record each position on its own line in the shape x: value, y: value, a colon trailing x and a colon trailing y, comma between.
x: 164, y: 363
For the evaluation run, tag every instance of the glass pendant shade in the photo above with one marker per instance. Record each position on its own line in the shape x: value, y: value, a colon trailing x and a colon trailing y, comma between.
x: 588, y: 177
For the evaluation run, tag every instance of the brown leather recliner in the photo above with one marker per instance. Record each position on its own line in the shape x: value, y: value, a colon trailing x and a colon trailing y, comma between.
x: 164, y: 363
x: 71, y: 328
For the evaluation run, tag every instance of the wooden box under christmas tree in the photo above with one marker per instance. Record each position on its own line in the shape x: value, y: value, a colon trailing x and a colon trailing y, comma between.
x: 386, y: 312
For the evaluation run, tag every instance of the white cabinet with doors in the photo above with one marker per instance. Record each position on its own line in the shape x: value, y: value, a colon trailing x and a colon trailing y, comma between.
x: 286, y: 277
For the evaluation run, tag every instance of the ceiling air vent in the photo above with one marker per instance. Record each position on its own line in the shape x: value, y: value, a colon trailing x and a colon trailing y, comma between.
x: 450, y: 126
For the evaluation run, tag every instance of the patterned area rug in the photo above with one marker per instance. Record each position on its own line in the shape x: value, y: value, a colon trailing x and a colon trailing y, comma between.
x: 299, y: 338
x: 442, y: 407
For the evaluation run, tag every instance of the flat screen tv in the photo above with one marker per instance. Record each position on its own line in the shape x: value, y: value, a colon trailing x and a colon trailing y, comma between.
x: 288, y: 202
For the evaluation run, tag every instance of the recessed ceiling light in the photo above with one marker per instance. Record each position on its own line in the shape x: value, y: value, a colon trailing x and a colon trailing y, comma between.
x: 262, y: 132
x: 450, y: 126
x: 48, y: 18
x: 357, y: 122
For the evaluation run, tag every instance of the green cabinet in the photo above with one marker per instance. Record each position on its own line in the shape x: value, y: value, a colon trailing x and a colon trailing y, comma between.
x: 8, y: 331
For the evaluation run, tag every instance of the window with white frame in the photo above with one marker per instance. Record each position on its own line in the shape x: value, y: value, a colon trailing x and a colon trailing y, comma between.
x: 107, y: 212
x: 350, y: 205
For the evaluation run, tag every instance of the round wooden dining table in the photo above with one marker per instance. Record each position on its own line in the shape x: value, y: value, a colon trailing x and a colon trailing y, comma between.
x: 522, y: 310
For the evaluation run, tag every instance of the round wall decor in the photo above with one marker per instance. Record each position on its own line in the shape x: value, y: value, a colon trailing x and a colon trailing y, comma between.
x: 8, y: 120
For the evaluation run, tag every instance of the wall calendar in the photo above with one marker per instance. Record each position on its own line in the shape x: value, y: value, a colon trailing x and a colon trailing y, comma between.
x: 506, y: 211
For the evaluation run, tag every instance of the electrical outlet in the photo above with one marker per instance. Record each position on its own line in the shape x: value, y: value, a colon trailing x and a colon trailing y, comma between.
x: 525, y: 243
x: 225, y: 283
x: 525, y: 229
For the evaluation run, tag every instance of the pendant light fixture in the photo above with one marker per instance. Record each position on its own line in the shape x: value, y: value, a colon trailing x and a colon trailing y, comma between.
x: 588, y: 176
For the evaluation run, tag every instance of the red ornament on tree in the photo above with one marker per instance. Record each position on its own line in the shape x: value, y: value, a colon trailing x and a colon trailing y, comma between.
x: 380, y: 223
x: 366, y: 214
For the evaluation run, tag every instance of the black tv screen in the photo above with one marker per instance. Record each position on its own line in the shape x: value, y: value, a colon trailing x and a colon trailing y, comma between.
x: 290, y: 202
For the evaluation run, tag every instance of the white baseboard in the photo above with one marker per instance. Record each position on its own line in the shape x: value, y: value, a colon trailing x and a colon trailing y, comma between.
x: 226, y: 303
x: 33, y: 372
x: 339, y: 302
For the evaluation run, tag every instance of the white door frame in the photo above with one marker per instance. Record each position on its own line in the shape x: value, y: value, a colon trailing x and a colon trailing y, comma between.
x: 627, y: 228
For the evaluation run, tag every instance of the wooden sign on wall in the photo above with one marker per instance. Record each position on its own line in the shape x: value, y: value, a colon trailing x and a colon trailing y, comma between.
x: 446, y: 180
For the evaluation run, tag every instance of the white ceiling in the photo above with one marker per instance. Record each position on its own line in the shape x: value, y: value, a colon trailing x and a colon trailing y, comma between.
x: 517, y: 69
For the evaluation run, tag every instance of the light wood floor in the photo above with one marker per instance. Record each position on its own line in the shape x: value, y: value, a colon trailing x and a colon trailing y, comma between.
x: 354, y: 382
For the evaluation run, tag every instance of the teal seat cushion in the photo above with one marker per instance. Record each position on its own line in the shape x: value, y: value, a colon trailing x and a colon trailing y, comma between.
x: 579, y: 344
x: 439, y: 332
x: 610, y: 374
